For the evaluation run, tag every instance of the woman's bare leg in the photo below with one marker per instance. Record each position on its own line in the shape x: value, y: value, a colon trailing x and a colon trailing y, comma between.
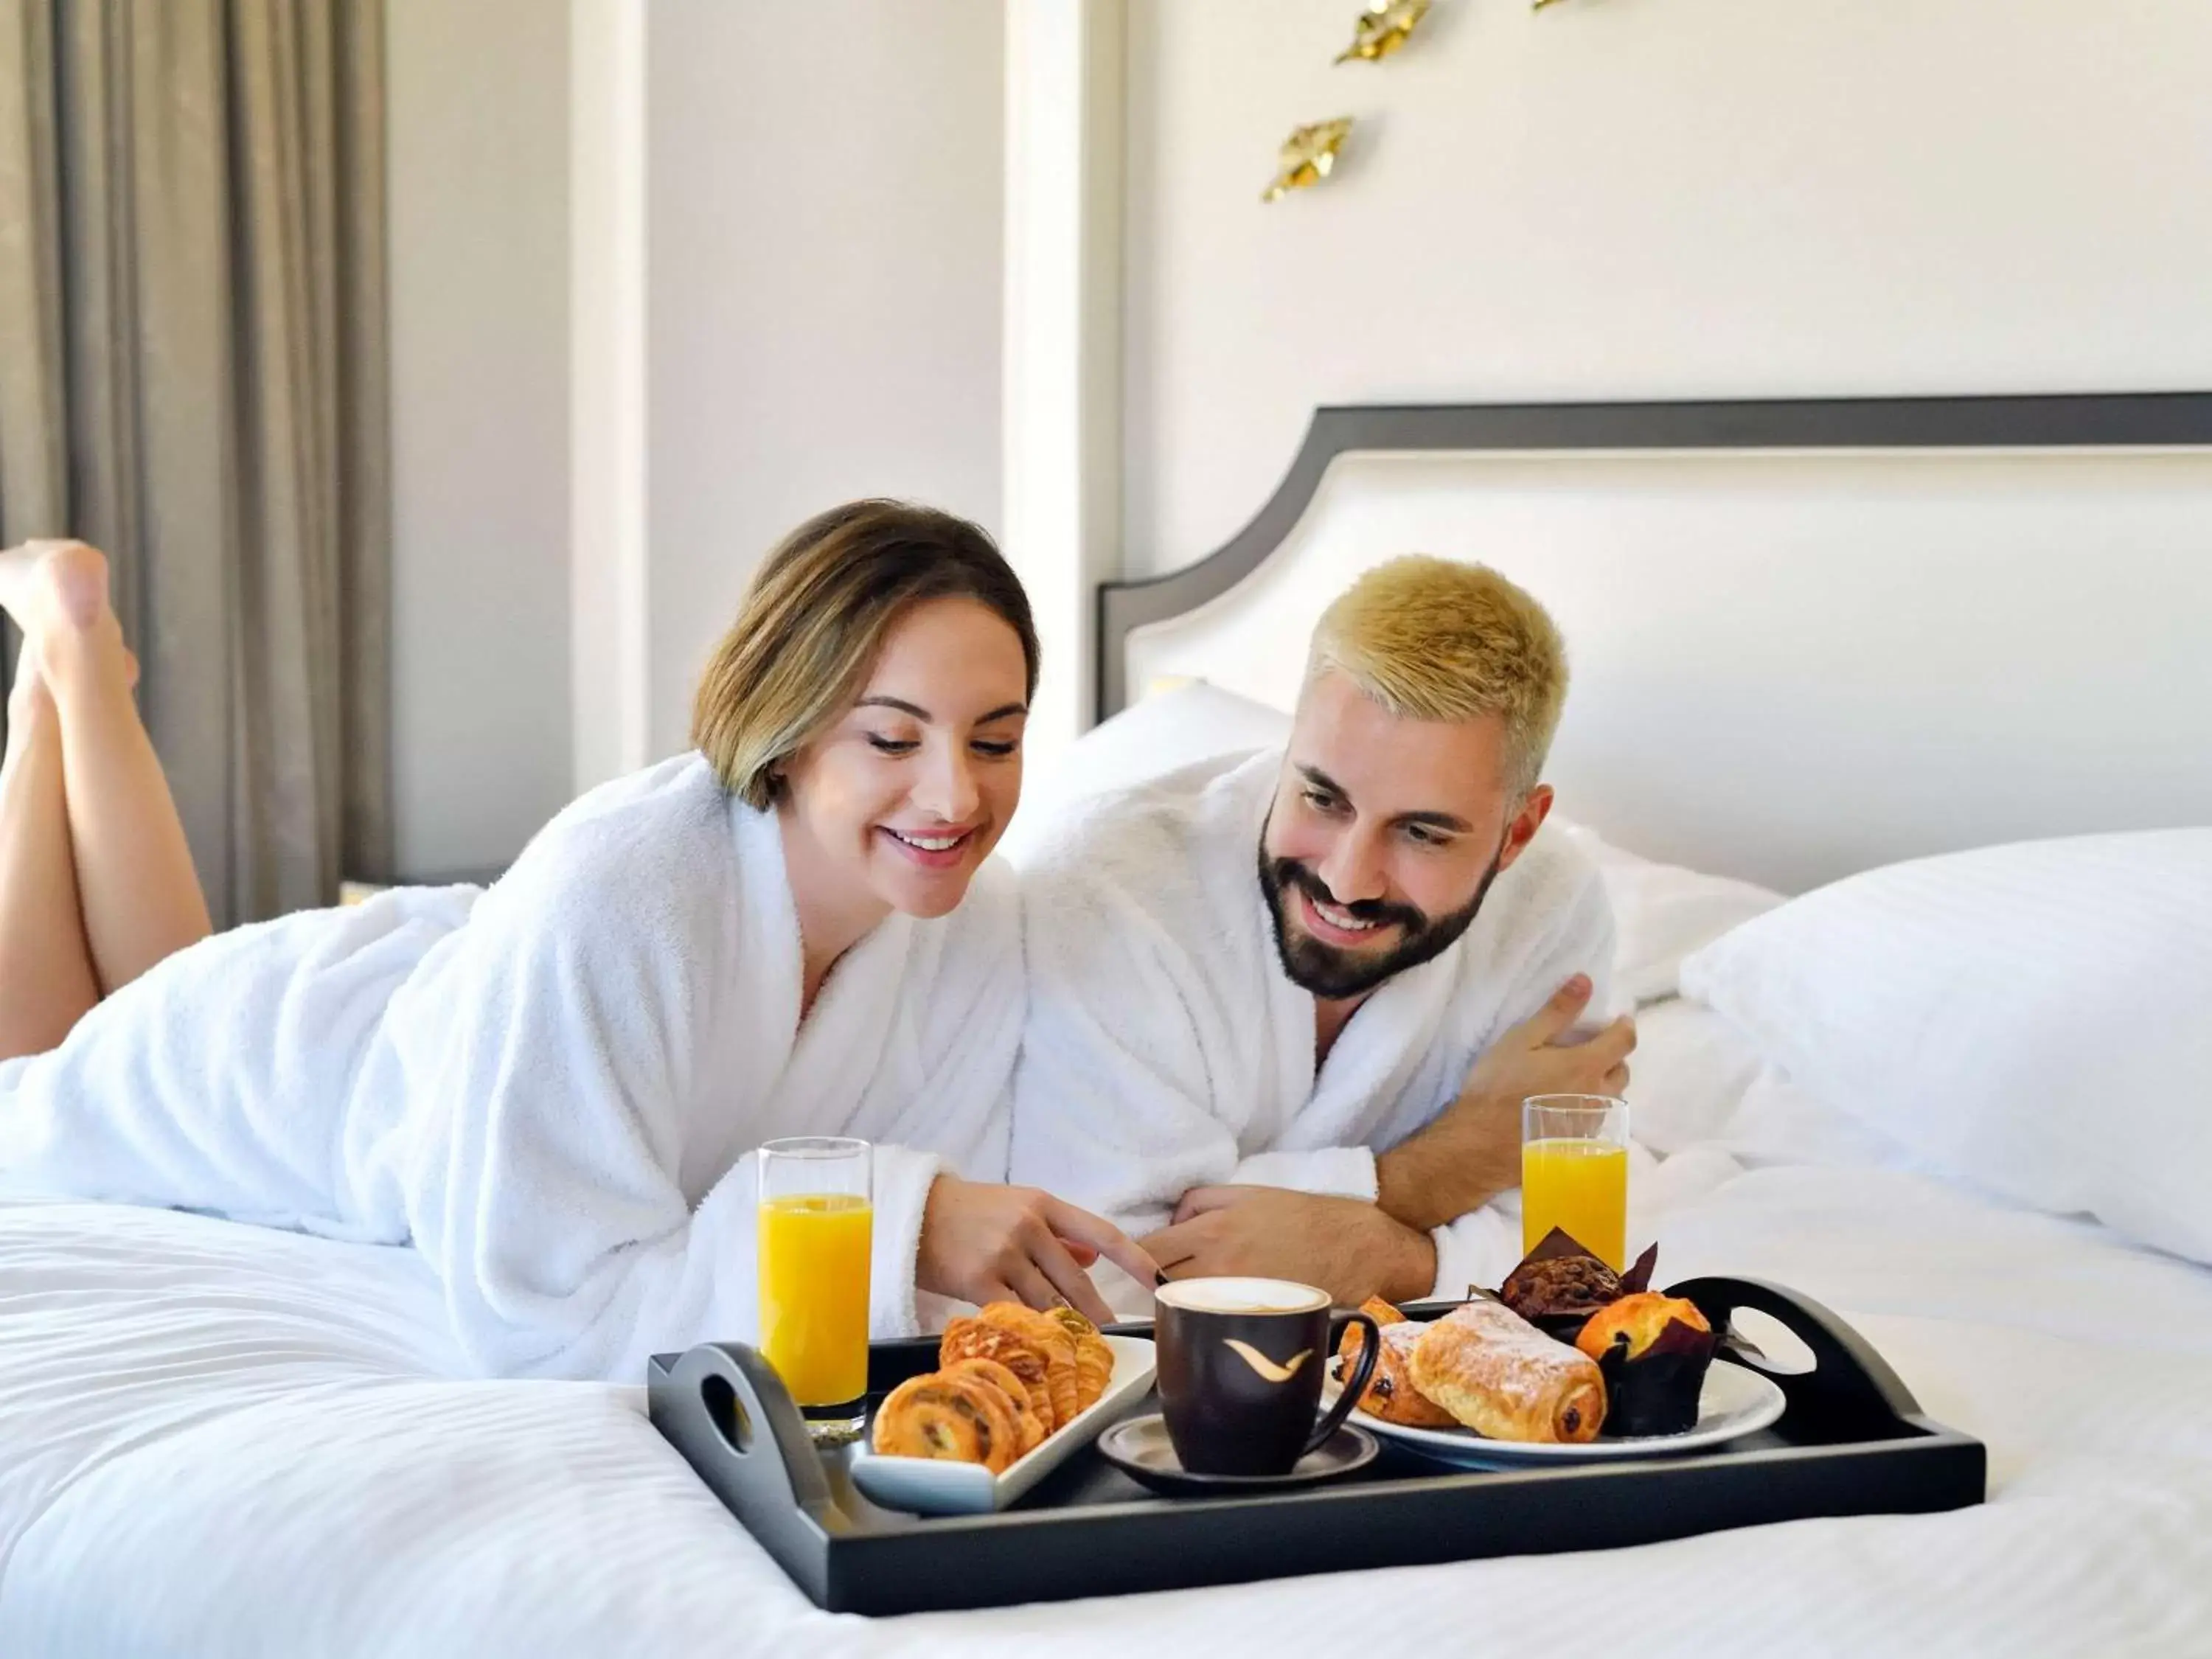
x: 46, y: 978
x: 136, y: 890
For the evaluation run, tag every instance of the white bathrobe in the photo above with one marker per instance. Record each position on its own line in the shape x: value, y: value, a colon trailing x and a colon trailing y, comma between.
x: 1166, y: 1049
x: 550, y: 1086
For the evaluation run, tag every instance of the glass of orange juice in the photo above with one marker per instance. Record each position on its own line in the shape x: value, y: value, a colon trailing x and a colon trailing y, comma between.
x: 1574, y: 1173
x: 815, y: 1224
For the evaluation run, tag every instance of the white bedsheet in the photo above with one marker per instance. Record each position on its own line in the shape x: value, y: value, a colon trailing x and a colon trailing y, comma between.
x: 217, y: 1441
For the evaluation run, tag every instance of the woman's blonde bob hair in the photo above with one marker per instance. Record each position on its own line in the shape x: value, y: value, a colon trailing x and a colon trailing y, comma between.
x: 814, y: 618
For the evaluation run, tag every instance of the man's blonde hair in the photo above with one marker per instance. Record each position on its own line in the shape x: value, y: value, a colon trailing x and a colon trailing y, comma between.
x: 1433, y: 640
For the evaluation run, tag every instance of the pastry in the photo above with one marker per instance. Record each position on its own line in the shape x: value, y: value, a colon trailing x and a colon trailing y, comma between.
x: 1559, y: 1284
x: 1018, y: 1397
x: 1639, y: 1321
x: 969, y: 1338
x: 1390, y: 1394
x: 1565, y: 1289
x: 963, y: 1418
x: 1653, y: 1352
x: 1094, y: 1358
x: 1036, y: 1348
x: 1056, y: 1342
x: 1503, y: 1378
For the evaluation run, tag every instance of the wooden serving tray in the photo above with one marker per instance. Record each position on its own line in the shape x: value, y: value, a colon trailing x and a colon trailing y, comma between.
x: 1853, y: 1441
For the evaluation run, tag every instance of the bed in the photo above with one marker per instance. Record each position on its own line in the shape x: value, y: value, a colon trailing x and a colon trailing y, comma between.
x: 219, y: 1440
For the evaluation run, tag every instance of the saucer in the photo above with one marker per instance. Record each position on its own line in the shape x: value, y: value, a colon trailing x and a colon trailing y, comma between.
x: 1141, y: 1449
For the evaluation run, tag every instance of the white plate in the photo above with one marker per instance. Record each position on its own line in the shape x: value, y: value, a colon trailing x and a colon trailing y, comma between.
x: 936, y: 1485
x: 1734, y: 1401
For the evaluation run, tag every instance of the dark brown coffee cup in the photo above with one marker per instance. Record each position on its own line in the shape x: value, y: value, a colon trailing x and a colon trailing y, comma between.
x: 1241, y: 1363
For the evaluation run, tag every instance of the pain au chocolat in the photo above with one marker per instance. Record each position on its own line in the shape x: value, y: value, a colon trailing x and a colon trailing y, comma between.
x: 1503, y: 1378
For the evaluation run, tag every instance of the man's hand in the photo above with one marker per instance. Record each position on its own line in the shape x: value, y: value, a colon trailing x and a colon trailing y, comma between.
x: 1345, y: 1247
x: 1472, y: 1151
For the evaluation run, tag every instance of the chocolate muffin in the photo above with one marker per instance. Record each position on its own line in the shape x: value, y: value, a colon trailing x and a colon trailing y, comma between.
x: 1557, y: 1294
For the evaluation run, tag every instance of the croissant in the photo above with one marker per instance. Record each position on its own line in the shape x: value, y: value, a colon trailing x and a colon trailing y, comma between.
x: 1094, y: 1358
x: 1503, y: 1378
x: 1062, y: 1373
x: 1052, y: 1340
x: 963, y: 1419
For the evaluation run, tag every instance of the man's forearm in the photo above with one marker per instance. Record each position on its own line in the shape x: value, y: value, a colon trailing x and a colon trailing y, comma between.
x: 1466, y: 1157
x: 1411, y: 1273
x: 1380, y: 1256
x: 1347, y: 1245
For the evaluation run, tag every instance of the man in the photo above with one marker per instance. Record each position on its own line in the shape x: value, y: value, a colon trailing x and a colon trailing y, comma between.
x: 1283, y: 1009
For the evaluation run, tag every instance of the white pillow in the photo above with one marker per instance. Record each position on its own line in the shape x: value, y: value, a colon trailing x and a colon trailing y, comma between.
x: 1661, y: 912
x: 1167, y: 730
x: 2033, y: 1019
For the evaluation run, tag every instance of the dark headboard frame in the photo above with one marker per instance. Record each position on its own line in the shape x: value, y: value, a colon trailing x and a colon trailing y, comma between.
x: 2100, y: 420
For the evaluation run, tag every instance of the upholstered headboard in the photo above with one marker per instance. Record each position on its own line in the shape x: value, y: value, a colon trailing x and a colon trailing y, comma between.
x: 1807, y: 636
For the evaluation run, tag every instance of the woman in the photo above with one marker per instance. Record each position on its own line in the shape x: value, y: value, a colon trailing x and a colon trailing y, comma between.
x: 550, y: 1086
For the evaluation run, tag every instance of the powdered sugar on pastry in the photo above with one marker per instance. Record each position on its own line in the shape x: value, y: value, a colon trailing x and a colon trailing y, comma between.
x: 1503, y: 1378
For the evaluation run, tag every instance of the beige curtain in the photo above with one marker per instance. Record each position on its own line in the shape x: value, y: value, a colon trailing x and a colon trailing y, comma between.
x: 192, y: 378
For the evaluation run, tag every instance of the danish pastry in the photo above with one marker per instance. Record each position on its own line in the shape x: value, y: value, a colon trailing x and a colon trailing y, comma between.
x: 1034, y: 1348
x: 963, y: 1418
x: 1018, y: 1397
x: 1390, y: 1394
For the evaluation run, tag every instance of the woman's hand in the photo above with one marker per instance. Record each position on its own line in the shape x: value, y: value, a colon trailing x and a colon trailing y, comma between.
x: 983, y: 1242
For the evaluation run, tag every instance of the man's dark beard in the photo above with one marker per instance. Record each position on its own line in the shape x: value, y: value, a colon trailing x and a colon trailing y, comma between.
x: 1330, y: 973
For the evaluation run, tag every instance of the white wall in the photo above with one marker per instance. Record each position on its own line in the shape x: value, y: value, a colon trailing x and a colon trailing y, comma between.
x: 1648, y: 198
x: 478, y: 212
x: 823, y: 200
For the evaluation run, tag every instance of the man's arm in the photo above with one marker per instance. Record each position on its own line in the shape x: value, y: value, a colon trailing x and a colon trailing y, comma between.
x: 1426, y: 1185
x: 1350, y: 1249
x: 1471, y: 1151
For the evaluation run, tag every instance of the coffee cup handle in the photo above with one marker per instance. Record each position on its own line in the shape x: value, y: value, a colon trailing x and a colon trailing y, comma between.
x: 1370, y: 1350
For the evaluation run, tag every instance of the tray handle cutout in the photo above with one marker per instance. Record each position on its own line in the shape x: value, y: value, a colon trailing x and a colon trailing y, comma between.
x: 1848, y: 1379
x: 726, y: 1410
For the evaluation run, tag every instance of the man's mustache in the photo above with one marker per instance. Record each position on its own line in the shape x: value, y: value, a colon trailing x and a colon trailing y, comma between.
x: 1290, y: 873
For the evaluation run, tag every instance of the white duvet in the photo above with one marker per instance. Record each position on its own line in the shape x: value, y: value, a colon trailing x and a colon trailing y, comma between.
x: 216, y: 1440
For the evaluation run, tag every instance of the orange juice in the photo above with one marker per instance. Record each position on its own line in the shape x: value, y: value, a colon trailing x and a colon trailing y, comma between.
x: 814, y: 1294
x: 1581, y: 1186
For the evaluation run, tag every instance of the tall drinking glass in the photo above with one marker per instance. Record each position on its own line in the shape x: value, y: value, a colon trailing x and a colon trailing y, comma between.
x: 815, y: 1224
x: 1574, y: 1173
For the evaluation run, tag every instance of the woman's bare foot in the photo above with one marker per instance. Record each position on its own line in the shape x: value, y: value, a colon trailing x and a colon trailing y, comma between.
x: 57, y: 592
x: 49, y: 583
